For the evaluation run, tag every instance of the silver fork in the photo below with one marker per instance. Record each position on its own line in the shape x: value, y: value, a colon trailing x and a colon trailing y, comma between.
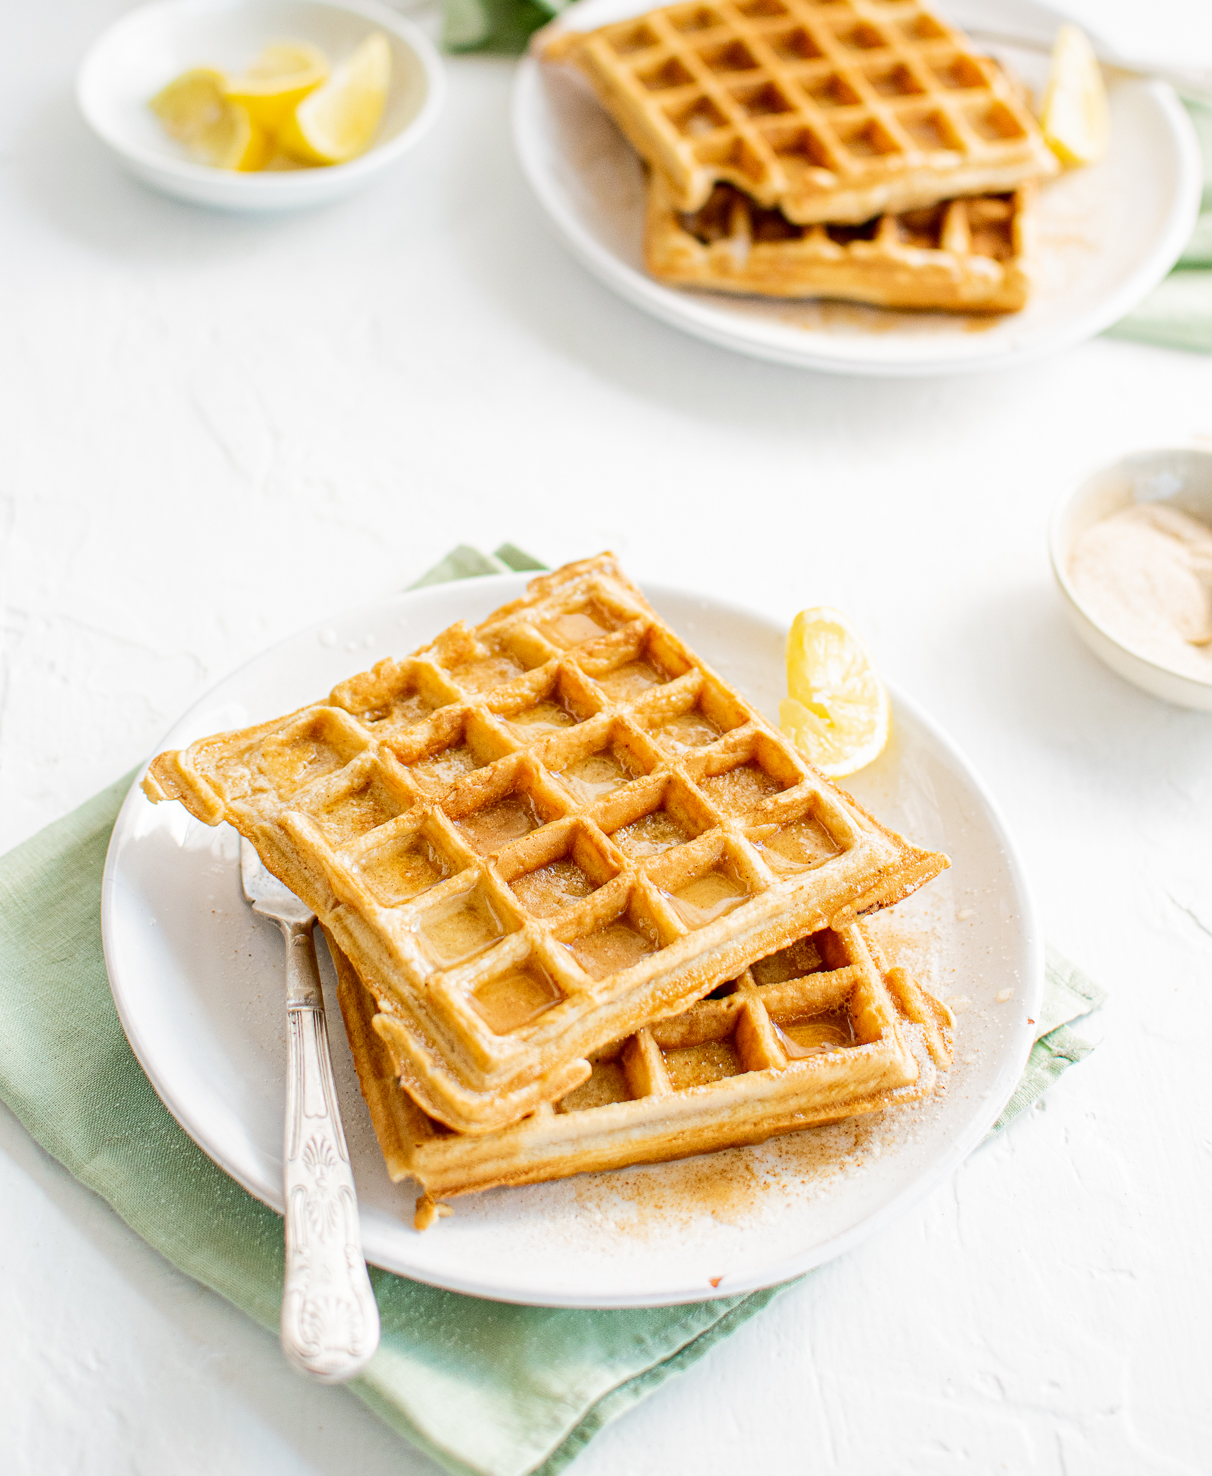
x: 330, y: 1320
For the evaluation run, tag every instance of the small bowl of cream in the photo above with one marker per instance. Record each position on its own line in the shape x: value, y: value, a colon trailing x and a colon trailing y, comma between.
x: 1132, y: 552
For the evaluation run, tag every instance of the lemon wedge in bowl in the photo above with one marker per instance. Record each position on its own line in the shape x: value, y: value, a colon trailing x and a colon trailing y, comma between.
x: 836, y: 711
x: 338, y: 121
x: 279, y: 79
x: 195, y: 110
x: 190, y: 103
x: 233, y: 142
x: 1074, y: 117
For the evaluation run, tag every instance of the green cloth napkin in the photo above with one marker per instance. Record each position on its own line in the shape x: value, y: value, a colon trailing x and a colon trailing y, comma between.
x: 486, y: 1388
x: 1178, y: 312
x: 500, y: 26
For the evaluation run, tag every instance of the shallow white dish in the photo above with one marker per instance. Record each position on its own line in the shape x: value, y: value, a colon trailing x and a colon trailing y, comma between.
x: 144, y: 50
x: 1180, y: 477
x: 1107, y: 234
x: 198, y: 984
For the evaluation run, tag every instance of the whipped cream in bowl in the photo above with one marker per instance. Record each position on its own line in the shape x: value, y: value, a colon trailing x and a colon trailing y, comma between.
x: 1132, y: 552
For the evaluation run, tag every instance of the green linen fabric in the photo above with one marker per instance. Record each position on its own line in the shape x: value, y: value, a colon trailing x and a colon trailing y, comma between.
x: 1178, y: 312
x: 1068, y: 993
x: 485, y: 1388
x: 502, y: 27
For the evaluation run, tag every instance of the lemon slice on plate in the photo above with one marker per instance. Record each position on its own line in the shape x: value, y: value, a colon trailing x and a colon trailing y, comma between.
x: 339, y: 119
x: 194, y: 110
x: 1074, y: 118
x: 836, y: 711
x: 279, y: 79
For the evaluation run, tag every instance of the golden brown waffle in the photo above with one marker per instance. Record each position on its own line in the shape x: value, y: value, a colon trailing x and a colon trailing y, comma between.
x: 535, y: 836
x: 818, y: 1032
x: 831, y: 110
x: 969, y: 255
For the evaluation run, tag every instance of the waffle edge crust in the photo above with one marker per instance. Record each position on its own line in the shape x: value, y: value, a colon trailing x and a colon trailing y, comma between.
x: 723, y: 1074
x: 538, y: 835
x: 829, y: 110
x: 970, y: 255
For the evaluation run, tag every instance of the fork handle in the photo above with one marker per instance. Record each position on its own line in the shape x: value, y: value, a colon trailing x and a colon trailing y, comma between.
x: 330, y: 1321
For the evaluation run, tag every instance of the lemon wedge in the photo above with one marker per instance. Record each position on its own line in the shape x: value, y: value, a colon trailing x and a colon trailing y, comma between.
x: 339, y: 119
x: 279, y: 79
x: 194, y: 110
x: 190, y: 103
x: 836, y: 711
x: 1074, y: 118
x: 233, y: 142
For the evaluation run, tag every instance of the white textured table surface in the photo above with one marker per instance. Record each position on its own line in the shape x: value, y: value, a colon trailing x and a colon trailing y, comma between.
x: 219, y: 429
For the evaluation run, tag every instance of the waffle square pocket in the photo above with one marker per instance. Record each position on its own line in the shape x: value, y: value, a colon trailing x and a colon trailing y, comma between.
x: 517, y: 891
x: 827, y: 110
x: 969, y: 255
x: 827, y: 1028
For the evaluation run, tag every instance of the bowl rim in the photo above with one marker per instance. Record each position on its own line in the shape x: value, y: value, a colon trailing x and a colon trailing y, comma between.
x: 1069, y: 499
x: 288, y: 182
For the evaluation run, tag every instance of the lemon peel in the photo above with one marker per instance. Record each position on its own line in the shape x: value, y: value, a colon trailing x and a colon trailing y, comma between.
x: 280, y: 78
x: 837, y: 711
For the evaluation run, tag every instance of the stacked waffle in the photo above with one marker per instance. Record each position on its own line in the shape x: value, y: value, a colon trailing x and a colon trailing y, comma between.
x: 836, y: 148
x: 587, y: 907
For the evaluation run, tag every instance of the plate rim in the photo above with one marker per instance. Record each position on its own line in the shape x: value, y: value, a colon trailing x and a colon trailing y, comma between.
x: 936, y: 1172
x: 681, y: 309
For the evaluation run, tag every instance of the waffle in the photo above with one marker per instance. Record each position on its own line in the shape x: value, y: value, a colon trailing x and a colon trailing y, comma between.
x: 960, y: 255
x: 831, y: 110
x: 821, y: 1031
x: 535, y: 836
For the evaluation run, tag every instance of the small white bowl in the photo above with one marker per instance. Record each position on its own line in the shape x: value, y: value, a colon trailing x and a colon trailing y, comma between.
x: 134, y: 59
x: 1182, y: 479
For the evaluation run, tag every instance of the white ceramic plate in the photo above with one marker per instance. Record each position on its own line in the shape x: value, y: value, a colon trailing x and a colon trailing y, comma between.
x: 198, y: 984
x: 147, y: 48
x: 1107, y: 234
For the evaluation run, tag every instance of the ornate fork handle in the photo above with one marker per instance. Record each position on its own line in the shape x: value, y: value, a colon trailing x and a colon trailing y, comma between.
x: 330, y: 1321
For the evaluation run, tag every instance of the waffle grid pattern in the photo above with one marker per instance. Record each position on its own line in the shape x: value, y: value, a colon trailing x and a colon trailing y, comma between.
x: 964, y: 255
x: 833, y: 110
x: 534, y: 836
x: 824, y: 1029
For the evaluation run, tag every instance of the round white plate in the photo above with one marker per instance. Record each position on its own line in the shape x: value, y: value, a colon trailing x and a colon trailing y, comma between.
x: 1107, y: 235
x: 198, y: 984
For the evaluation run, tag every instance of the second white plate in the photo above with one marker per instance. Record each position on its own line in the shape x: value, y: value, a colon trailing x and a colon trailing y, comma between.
x: 198, y: 983
x: 1108, y: 234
